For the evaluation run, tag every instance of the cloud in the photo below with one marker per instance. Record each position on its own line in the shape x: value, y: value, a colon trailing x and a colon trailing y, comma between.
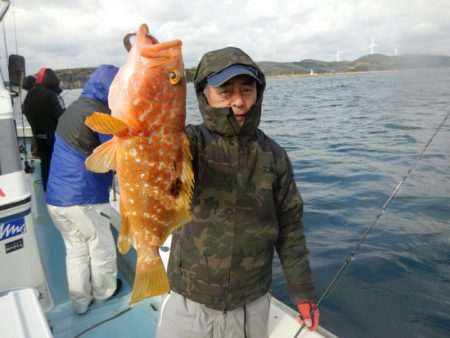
x: 82, y: 33
x: 424, y: 29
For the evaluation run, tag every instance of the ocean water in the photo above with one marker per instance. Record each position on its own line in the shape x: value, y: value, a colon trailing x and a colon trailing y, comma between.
x: 352, y: 139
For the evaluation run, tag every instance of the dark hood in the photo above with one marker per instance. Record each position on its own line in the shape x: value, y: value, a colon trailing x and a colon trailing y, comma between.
x: 222, y: 120
x: 97, y: 87
x: 47, y: 78
x: 29, y: 82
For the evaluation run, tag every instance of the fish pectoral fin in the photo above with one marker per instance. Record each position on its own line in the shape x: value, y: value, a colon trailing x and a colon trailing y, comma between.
x: 150, y: 280
x: 105, y: 124
x: 180, y: 218
x: 125, y: 239
x: 184, y: 187
x: 187, y: 176
x: 103, y: 159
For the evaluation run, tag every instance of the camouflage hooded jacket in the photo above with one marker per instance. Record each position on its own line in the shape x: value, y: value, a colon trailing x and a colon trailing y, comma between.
x: 245, y: 205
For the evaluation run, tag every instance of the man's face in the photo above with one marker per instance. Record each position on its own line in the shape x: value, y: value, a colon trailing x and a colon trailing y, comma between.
x: 239, y: 93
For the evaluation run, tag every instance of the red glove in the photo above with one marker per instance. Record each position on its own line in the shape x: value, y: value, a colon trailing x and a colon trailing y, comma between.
x: 305, y: 315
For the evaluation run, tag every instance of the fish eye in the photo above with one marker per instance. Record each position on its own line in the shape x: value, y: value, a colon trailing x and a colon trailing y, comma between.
x: 174, y: 76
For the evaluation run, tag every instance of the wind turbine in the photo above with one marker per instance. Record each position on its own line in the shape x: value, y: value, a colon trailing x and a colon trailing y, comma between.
x: 338, y: 52
x: 396, y: 51
x: 372, y: 45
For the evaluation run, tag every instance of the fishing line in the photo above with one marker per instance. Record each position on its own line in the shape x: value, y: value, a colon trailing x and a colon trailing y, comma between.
x: 345, y: 265
x: 103, y: 321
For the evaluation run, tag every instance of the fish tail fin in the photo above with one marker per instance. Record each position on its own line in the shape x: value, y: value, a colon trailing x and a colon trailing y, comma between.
x: 103, y: 159
x: 149, y: 282
x: 105, y: 124
x: 125, y: 239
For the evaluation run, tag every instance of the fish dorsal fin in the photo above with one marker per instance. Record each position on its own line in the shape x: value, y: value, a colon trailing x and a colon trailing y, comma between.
x: 106, y: 124
x: 103, y: 159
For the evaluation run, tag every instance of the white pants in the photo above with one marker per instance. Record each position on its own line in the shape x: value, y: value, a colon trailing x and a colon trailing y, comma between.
x: 90, y: 251
x: 181, y: 317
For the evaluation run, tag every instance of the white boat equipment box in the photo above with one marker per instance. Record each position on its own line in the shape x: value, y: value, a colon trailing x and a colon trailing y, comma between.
x: 22, y: 312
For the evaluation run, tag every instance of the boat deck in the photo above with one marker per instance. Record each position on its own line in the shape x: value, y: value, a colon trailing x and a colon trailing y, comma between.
x: 136, y: 321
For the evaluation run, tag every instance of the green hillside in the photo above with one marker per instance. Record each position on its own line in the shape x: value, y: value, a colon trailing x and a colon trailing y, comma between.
x: 323, y: 66
x: 281, y: 68
x: 76, y: 77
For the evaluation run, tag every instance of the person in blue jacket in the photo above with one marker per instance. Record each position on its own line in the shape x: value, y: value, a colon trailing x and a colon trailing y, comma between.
x: 78, y: 200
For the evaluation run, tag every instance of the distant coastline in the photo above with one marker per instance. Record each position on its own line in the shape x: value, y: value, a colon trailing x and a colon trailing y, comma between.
x: 76, y: 77
x: 322, y: 74
x: 333, y: 73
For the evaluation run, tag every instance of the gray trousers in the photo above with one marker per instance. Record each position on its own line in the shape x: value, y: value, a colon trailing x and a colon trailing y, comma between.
x: 90, y: 251
x: 183, y: 318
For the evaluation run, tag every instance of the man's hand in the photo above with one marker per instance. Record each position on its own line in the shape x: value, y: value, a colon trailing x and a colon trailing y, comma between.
x: 305, y: 316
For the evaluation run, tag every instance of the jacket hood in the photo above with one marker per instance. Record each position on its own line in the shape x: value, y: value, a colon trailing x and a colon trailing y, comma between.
x: 222, y: 120
x: 47, y: 78
x: 29, y: 82
x: 97, y: 87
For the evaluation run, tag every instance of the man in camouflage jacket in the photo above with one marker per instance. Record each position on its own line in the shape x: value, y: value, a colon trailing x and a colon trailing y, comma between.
x: 245, y: 205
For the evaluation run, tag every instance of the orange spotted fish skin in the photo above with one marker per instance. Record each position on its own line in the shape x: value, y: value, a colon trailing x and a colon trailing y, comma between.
x: 150, y: 153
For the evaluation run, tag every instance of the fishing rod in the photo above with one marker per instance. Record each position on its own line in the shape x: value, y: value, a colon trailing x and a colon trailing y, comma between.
x: 345, y: 265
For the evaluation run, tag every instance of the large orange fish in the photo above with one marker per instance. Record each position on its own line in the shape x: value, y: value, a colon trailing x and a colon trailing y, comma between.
x: 150, y: 153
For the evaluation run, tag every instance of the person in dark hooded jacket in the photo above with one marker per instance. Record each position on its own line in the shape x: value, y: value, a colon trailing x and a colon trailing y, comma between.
x: 78, y: 199
x: 245, y: 206
x: 42, y: 107
x: 28, y: 83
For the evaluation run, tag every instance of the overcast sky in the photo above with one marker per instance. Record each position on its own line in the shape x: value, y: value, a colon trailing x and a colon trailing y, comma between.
x: 86, y: 33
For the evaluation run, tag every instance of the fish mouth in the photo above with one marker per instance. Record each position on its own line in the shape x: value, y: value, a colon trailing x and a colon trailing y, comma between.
x: 161, y: 50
